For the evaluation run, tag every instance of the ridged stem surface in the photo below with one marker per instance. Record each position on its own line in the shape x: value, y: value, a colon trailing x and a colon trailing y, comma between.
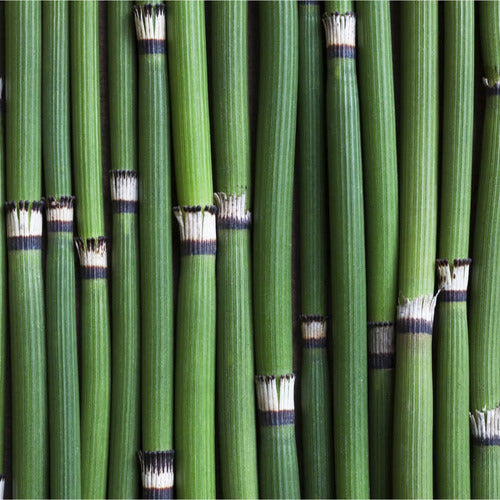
x: 195, y: 341
x: 317, y: 443
x: 413, y: 400
x: 235, y: 359
x: 125, y: 435
x: 350, y: 381
x: 272, y: 291
x: 452, y: 447
x: 23, y: 35
x: 484, y: 290
x: 380, y: 179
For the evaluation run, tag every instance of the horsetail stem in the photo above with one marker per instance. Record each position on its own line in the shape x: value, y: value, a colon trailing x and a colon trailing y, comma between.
x: 272, y: 292
x: 316, y: 408
x: 338, y: 6
x: 156, y: 246
x: 413, y: 405
x: 3, y: 283
x: 236, y: 422
x: 380, y: 178
x: 485, y: 293
x: 125, y: 434
x: 452, y: 349
x: 91, y: 246
x: 195, y: 341
x: 62, y: 354
x: 350, y: 388
x: 23, y: 24
x: 316, y: 403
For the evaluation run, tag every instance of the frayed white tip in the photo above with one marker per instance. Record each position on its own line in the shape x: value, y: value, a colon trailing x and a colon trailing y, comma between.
x: 124, y: 185
x: 485, y: 425
x: 158, y: 478
x: 231, y: 212
x: 492, y: 84
x: 458, y: 281
x: 313, y: 329
x: 381, y: 338
x: 340, y: 29
x: 421, y: 308
x: 2, y: 486
x: 92, y: 252
x: 196, y: 224
x: 150, y: 22
x: 267, y: 393
x: 60, y: 210
x: 24, y: 219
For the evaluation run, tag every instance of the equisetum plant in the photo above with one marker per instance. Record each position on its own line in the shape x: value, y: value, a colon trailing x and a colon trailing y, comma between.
x: 24, y: 225
x: 316, y: 397
x: 452, y: 447
x: 413, y: 397
x: 125, y: 433
x: 485, y: 293
x: 380, y: 179
x: 347, y: 246
x: 235, y: 360
x: 195, y: 333
x: 92, y: 248
x: 272, y: 291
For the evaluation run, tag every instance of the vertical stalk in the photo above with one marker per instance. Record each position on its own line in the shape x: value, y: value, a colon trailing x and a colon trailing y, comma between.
x: 23, y: 23
x: 380, y: 179
x: 350, y: 387
x: 452, y: 445
x: 484, y: 290
x: 125, y: 393
x: 195, y: 341
x: 62, y: 354
x: 315, y: 390
x: 413, y: 405
x: 92, y: 248
x: 156, y: 251
x: 235, y: 361
x: 272, y: 293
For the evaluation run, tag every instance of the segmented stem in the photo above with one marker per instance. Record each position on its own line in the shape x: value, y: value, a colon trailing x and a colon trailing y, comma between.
x: 278, y: 469
x: 235, y: 361
x: 350, y: 384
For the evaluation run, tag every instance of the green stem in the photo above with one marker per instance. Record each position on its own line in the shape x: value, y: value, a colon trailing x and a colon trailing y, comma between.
x: 413, y: 405
x: 350, y: 385
x: 380, y: 179
x: 125, y: 394
x: 195, y: 341
x: 95, y: 355
x: 156, y: 246
x: 235, y: 372
x: 316, y: 395
x: 278, y: 468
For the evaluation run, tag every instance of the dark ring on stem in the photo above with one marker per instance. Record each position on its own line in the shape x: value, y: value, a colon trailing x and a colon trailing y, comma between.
x: 198, y: 247
x: 341, y: 52
x: 319, y: 343
x: 453, y: 296
x: 415, y: 326
x: 147, y: 47
x: 93, y: 272
x: 275, y: 418
x: 233, y: 223
x: 380, y: 360
x: 486, y: 441
x: 24, y: 243
x: 59, y: 226
x: 124, y: 206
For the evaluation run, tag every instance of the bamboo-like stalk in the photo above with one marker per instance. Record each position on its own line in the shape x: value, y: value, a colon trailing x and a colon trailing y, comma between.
x: 484, y: 290
x: 380, y: 178
x: 195, y: 340
x: 62, y: 354
x: 272, y: 291
x: 413, y: 405
x: 23, y: 24
x: 350, y: 384
x: 452, y: 349
x: 91, y: 245
x: 156, y: 249
x: 235, y: 360
x: 125, y: 433
x: 316, y: 402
